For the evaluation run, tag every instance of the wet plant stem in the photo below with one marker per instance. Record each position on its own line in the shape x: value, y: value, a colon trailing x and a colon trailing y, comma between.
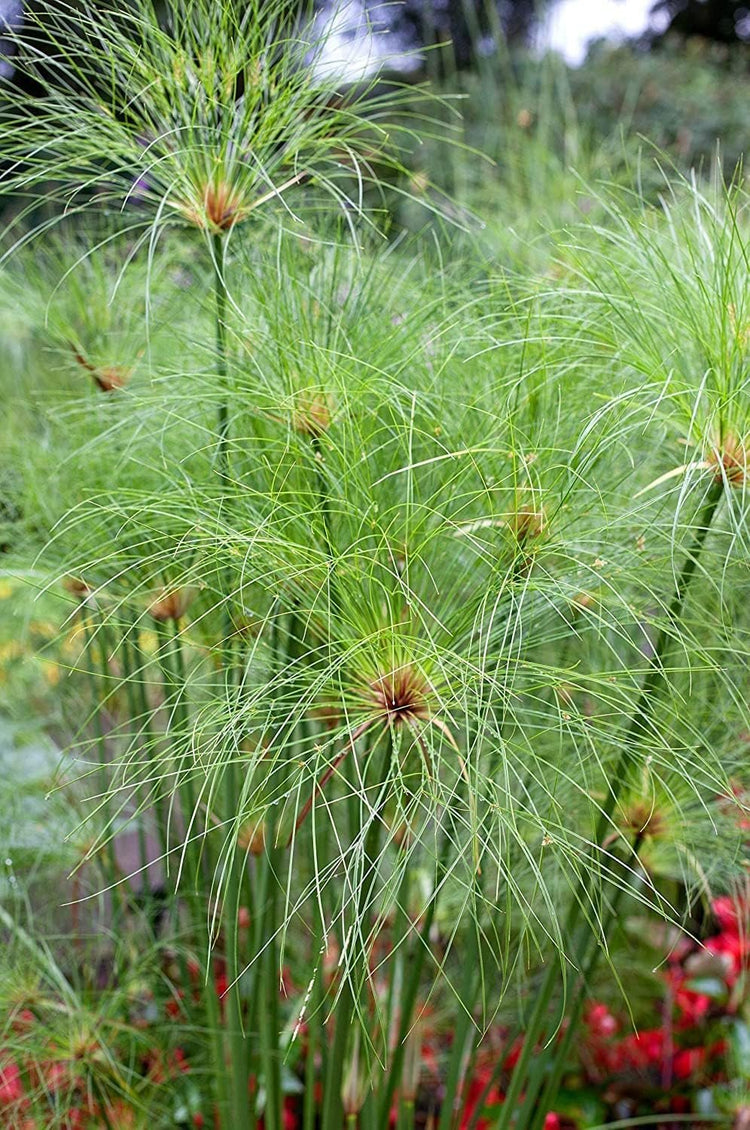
x: 349, y: 998
x: 639, y: 724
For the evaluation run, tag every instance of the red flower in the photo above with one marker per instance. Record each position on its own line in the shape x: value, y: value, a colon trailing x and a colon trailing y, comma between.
x: 725, y: 912
x: 290, y: 1119
x: 11, y: 1087
x: 600, y: 1021
x: 688, y: 1062
x: 514, y: 1054
x: 474, y: 1093
x: 161, y: 1067
x: 692, y: 1007
x: 552, y: 1121
x: 173, y: 1008
x: 291, y: 1122
x: 644, y: 1049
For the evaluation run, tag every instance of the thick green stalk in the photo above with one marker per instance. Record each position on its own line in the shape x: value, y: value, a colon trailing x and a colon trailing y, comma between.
x: 268, y: 1011
x: 316, y: 1038
x: 492, y: 1081
x: 172, y: 665
x: 324, y: 501
x: 349, y: 999
x: 405, y: 1115
x: 144, y: 707
x: 99, y: 680
x: 171, y: 662
x: 314, y: 1042
x: 220, y: 294
x: 241, y: 1113
x: 127, y: 674
x: 638, y: 726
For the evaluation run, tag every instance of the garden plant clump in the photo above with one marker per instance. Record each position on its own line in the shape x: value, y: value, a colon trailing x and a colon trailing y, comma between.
x: 382, y: 597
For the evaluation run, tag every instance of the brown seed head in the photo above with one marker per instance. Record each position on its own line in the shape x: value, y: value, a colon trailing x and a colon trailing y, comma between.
x: 312, y: 413
x: 730, y: 460
x: 402, y: 834
x: 252, y: 837
x: 77, y: 587
x: 220, y: 210
x: 112, y: 377
x: 642, y: 818
x: 582, y: 601
x: 401, y: 696
x: 170, y: 605
x: 527, y: 523
x: 108, y: 378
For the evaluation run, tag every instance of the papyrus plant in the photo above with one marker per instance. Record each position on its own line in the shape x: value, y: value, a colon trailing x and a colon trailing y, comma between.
x: 436, y: 622
x: 387, y: 585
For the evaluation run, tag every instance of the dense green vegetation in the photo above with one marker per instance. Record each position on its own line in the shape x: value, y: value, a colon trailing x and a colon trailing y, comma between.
x: 374, y: 552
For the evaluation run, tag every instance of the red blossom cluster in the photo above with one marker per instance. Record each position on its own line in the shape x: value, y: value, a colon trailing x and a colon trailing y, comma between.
x: 660, y: 1065
x: 679, y: 1054
x: 657, y: 1066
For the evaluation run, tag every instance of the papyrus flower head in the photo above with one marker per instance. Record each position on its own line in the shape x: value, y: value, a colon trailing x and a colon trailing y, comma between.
x: 194, y: 112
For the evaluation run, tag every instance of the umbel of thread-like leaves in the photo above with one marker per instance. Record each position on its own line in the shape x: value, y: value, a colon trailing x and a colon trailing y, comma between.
x: 205, y: 119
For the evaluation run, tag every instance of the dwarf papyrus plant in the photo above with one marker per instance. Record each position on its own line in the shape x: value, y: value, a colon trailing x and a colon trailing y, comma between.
x: 388, y: 588
x: 663, y: 311
x: 195, y: 115
x: 391, y: 691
